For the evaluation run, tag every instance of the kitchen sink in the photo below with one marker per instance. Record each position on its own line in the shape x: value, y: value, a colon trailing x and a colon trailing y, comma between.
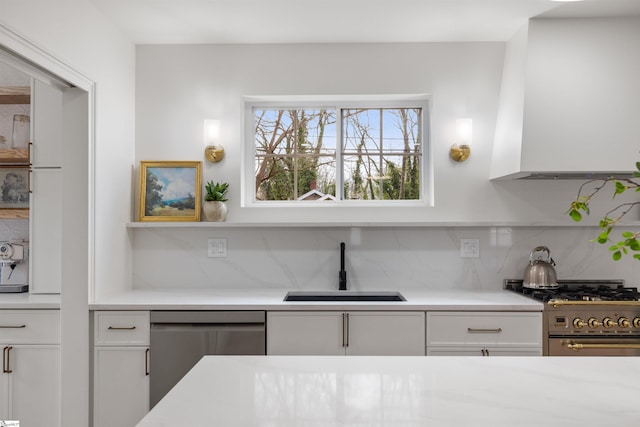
x: 344, y: 296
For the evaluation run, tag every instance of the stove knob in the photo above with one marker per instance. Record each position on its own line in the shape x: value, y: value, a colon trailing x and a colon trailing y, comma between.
x: 636, y: 322
x: 608, y: 322
x: 578, y: 323
x: 593, y: 323
x: 623, y: 322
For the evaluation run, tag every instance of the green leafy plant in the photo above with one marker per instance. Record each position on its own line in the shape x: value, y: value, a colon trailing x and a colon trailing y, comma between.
x: 216, y: 192
x: 580, y: 205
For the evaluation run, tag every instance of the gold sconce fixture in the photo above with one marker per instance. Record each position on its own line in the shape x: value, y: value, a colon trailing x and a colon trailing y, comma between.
x: 213, y: 151
x: 461, y: 149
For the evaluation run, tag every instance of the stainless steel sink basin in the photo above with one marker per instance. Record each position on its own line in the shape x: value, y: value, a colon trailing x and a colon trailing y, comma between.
x: 344, y: 296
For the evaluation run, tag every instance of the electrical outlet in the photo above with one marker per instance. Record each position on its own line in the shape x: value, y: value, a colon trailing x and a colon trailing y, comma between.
x: 470, y: 248
x: 217, y: 248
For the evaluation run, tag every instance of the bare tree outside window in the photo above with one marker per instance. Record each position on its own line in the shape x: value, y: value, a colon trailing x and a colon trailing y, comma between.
x: 295, y: 153
x: 382, y: 153
x: 298, y: 154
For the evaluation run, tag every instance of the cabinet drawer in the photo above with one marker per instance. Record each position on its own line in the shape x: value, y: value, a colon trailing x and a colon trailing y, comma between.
x: 30, y: 326
x: 121, y: 327
x: 489, y: 329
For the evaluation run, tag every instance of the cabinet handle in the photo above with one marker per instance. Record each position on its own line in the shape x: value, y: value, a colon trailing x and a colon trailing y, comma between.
x: 12, y: 326
x: 121, y: 328
x: 344, y: 333
x: 484, y: 331
x: 6, y: 360
x: 146, y: 362
x: 347, y: 330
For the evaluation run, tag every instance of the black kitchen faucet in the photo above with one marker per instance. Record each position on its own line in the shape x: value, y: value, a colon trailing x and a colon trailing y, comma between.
x: 342, y: 275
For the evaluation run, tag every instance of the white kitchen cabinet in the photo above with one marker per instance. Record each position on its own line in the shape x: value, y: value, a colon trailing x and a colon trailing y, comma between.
x: 45, y: 203
x: 484, y: 333
x: 30, y: 381
x: 120, y: 368
x: 45, y: 231
x: 345, y: 333
x: 46, y: 120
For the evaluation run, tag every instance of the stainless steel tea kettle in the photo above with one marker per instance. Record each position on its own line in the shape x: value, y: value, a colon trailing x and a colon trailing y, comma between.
x: 540, y: 273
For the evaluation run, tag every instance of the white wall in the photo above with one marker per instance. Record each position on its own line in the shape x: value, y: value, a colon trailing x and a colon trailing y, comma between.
x: 178, y: 86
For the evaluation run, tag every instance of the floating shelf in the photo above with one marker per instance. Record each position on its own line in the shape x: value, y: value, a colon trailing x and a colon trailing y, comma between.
x: 143, y: 225
x: 14, y: 213
x: 15, y: 95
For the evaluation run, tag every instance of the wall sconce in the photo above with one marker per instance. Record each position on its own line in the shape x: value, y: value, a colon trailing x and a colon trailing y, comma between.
x: 461, y: 150
x: 213, y: 151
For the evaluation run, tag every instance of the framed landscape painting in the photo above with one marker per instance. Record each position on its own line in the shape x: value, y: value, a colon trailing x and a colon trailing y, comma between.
x: 169, y: 191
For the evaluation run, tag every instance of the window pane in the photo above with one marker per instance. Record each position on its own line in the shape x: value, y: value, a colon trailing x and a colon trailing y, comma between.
x: 295, y: 154
x: 400, y: 130
x: 273, y: 131
x: 401, y: 178
x: 362, y: 177
x: 382, y: 153
x: 361, y: 128
x: 276, y: 178
x: 321, y: 131
x: 317, y: 179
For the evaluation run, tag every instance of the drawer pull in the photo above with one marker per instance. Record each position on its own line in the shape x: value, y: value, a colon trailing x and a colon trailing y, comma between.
x: 121, y: 328
x: 484, y: 331
x: 12, y: 326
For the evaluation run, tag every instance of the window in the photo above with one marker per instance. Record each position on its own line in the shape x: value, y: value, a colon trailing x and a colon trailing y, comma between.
x: 340, y: 153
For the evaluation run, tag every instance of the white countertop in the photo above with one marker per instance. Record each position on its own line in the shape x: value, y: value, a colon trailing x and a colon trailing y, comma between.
x: 26, y: 300
x: 272, y: 299
x: 403, y: 391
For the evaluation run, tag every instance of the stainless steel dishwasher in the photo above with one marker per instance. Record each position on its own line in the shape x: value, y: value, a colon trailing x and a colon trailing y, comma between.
x: 179, y: 339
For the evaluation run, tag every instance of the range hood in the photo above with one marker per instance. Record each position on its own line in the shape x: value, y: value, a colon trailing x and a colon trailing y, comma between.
x: 569, y: 105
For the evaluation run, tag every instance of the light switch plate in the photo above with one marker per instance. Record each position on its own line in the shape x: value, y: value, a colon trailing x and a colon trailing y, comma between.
x: 217, y: 248
x: 470, y: 248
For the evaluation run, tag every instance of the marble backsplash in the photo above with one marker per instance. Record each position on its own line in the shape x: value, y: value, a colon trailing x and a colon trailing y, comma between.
x: 14, y: 230
x: 376, y: 257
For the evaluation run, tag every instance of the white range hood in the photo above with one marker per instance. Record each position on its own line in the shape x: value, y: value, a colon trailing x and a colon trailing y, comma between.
x: 570, y: 100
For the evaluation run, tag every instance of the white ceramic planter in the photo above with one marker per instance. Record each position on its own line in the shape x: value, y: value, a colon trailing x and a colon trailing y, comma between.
x: 215, y: 211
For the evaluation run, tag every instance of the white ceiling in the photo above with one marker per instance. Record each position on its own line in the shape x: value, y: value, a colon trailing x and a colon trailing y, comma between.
x: 340, y: 21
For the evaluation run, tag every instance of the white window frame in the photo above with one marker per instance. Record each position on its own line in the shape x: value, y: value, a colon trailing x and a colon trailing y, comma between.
x: 338, y: 103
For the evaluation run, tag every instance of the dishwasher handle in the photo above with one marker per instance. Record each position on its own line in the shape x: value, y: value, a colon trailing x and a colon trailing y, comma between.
x: 207, y: 327
x: 206, y: 317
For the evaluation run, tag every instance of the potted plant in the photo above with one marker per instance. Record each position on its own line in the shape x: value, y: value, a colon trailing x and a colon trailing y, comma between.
x: 214, y: 206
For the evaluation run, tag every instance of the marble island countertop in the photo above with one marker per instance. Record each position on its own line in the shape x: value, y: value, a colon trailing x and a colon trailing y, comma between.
x: 408, y: 391
x: 273, y: 299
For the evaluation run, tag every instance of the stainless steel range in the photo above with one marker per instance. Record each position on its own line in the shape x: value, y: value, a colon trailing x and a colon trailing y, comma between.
x: 588, y: 317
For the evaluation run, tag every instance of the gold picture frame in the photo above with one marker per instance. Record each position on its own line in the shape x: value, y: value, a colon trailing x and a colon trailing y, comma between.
x: 170, y: 191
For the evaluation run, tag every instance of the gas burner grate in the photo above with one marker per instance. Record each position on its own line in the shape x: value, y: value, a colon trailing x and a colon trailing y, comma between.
x: 586, y: 290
